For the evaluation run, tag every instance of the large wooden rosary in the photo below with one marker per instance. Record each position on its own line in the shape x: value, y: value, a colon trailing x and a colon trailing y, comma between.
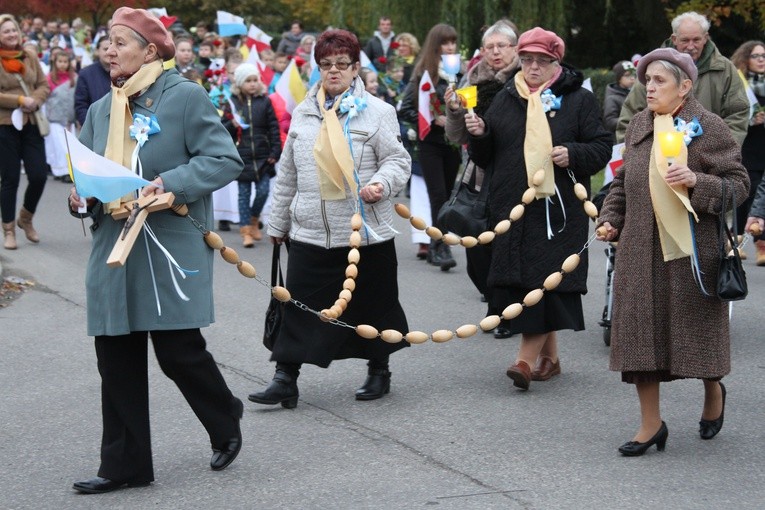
x: 332, y: 313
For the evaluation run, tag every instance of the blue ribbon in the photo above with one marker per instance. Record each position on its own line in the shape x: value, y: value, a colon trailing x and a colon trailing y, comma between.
x: 550, y: 101
x: 142, y: 127
x: 690, y: 129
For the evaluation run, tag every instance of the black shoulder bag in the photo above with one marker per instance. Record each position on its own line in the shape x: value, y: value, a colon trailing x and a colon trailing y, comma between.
x: 275, y: 311
x: 466, y: 213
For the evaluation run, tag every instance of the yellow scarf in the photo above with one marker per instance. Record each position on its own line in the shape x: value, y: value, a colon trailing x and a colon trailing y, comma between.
x: 333, y: 156
x: 119, y: 145
x: 670, y: 204
x: 538, y: 144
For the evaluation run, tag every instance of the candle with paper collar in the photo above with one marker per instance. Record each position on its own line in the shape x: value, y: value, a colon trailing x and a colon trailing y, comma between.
x: 469, y: 96
x: 670, y: 143
x: 451, y: 66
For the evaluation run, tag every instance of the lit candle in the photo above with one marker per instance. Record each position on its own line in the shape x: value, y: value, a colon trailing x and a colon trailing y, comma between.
x: 451, y: 64
x: 670, y: 143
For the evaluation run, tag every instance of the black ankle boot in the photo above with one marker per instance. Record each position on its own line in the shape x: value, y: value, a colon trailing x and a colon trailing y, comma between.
x: 433, y: 256
x: 445, y: 256
x: 376, y: 385
x: 282, y: 390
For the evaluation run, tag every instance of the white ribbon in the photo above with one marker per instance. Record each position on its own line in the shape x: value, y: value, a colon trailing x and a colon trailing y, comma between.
x: 548, y: 201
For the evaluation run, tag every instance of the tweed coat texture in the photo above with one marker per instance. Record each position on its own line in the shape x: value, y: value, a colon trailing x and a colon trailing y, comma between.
x: 297, y: 208
x: 194, y: 155
x: 661, y: 320
x: 524, y: 256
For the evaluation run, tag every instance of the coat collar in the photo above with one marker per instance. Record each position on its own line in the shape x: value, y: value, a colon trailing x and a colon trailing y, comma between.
x: 641, y: 124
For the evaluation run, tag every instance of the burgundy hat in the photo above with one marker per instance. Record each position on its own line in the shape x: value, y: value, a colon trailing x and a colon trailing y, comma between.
x: 539, y: 40
x: 681, y: 60
x: 149, y: 27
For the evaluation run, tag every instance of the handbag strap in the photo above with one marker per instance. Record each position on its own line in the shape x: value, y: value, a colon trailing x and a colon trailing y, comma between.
x: 726, y: 232
x: 277, y: 278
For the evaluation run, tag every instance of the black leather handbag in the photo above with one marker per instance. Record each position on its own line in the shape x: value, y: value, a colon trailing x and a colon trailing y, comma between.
x: 275, y: 310
x: 731, y: 278
x: 466, y: 213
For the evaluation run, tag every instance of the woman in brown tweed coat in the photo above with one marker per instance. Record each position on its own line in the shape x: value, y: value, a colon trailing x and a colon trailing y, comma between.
x: 663, y: 326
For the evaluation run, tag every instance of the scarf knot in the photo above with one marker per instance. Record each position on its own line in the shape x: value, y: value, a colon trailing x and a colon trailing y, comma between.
x: 13, y: 61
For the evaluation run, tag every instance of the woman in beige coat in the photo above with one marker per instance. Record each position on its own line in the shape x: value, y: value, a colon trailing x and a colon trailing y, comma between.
x: 664, y: 328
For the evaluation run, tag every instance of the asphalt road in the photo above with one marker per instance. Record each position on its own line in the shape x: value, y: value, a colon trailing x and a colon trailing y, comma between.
x: 453, y: 433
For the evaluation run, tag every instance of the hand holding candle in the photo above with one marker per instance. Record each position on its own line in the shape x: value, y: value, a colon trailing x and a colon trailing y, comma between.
x: 451, y: 63
x: 670, y: 143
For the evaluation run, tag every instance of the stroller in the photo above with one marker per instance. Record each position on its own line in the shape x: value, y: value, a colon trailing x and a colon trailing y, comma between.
x: 605, y: 320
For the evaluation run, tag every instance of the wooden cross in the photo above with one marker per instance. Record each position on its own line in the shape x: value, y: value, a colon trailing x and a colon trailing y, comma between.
x: 135, y: 214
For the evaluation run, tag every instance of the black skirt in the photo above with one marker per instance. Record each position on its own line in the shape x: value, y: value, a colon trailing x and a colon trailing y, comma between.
x: 315, y: 277
x: 556, y: 311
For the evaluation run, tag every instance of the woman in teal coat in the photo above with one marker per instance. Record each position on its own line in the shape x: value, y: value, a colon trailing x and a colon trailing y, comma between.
x: 191, y: 155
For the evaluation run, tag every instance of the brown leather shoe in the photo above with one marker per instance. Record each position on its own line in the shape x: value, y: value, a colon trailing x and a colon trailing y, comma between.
x: 520, y: 373
x: 545, y: 369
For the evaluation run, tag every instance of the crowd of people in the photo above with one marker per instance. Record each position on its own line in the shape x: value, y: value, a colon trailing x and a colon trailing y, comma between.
x: 323, y: 176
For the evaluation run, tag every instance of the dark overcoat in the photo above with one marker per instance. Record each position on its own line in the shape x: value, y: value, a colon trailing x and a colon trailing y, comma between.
x: 524, y: 256
x: 661, y: 321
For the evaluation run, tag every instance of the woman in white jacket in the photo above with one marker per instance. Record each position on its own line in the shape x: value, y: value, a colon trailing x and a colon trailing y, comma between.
x: 343, y: 155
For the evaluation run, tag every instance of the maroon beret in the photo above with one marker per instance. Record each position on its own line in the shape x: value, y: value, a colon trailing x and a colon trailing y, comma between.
x: 681, y: 60
x: 539, y: 40
x: 149, y: 27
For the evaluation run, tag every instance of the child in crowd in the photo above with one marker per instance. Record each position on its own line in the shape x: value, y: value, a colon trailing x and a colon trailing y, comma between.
x: 205, y: 54
x: 393, y: 80
x: 371, y: 85
x: 59, y: 109
x: 221, y: 92
x: 267, y: 57
x: 281, y: 60
x: 249, y: 117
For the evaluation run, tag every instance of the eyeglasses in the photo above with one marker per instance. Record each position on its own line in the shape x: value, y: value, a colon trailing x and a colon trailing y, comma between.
x: 757, y: 56
x: 342, y: 65
x: 499, y: 46
x: 541, y: 61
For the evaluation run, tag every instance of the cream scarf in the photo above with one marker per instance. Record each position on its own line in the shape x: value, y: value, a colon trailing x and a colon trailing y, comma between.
x: 333, y: 156
x: 119, y: 145
x: 670, y: 204
x: 538, y: 144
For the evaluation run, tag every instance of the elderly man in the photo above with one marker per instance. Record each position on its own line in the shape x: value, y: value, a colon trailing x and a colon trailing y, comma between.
x: 718, y: 88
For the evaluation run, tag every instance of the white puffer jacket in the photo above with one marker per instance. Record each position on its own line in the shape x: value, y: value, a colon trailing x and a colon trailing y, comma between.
x: 297, y: 207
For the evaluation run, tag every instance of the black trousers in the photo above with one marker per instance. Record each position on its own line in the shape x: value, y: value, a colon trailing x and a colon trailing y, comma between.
x: 440, y: 163
x: 29, y: 146
x: 122, y: 363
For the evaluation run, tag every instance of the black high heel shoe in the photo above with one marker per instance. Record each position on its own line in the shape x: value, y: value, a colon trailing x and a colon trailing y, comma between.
x: 709, y: 428
x: 635, y: 449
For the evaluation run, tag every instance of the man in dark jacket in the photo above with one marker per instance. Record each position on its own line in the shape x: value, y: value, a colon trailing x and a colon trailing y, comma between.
x: 380, y: 44
x: 94, y: 82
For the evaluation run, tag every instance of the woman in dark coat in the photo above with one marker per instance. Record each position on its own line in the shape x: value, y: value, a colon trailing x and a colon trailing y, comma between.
x: 498, y: 62
x: 664, y: 328
x: 439, y: 158
x: 569, y: 140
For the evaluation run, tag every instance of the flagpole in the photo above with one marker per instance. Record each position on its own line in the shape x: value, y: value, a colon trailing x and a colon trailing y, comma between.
x: 81, y: 209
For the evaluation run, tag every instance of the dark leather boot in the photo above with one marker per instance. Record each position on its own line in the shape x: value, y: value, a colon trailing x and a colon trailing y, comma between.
x: 376, y: 385
x: 282, y: 390
x: 445, y: 255
x: 433, y: 256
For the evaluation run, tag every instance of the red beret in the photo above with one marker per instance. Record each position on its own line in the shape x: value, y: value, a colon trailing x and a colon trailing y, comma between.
x: 148, y: 26
x: 539, y: 40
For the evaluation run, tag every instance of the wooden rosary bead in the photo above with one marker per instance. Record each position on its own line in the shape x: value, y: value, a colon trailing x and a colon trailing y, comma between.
x: 391, y: 336
x: 351, y: 271
x: 512, y: 311
x: 417, y: 222
x: 468, y: 241
x: 281, y: 293
x: 342, y: 303
x: 246, y: 269
x: 516, y: 213
x: 591, y: 209
x: 213, y: 240
x: 466, y: 330
x: 354, y: 256
x: 229, y: 255
x: 346, y: 294
x: 451, y: 239
x: 486, y: 237
x: 570, y: 263
x: 538, y: 178
x: 355, y: 240
x: 552, y: 281
x: 356, y: 221
x: 442, y: 335
x: 502, y: 227
x: 366, y: 331
x: 416, y: 337
x: 349, y: 284
x: 580, y: 191
x: 533, y: 297
x: 434, y: 233
x: 490, y: 322
x: 402, y: 210
x: 528, y: 196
